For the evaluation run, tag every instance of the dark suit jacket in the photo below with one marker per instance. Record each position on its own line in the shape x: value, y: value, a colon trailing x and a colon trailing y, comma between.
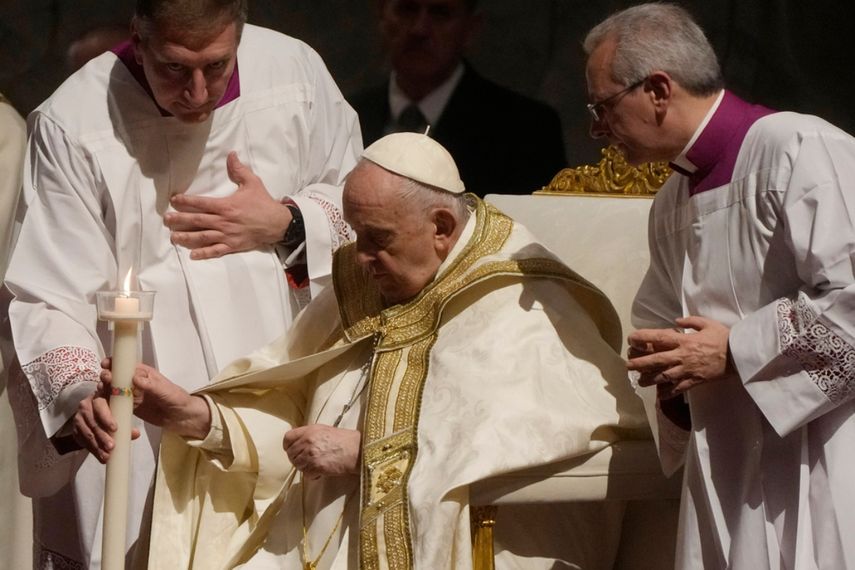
x: 503, y: 142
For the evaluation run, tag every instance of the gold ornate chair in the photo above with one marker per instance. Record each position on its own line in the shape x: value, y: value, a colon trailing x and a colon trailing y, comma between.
x: 594, y: 218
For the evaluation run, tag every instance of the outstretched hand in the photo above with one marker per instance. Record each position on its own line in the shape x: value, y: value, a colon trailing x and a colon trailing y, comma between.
x: 156, y: 401
x: 676, y: 361
x: 318, y: 450
x: 159, y: 401
x: 212, y: 227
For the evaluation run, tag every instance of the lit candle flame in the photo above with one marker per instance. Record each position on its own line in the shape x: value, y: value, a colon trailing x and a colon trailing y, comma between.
x: 126, y: 287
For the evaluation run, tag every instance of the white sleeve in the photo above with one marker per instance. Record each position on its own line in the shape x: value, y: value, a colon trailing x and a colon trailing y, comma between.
x: 796, y: 355
x: 657, y: 304
x: 216, y: 445
x: 334, y: 148
x: 63, y: 255
x: 12, y: 144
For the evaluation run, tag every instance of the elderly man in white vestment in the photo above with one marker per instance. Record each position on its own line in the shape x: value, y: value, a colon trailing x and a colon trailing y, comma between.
x: 197, y: 111
x: 452, y: 347
x: 746, y: 311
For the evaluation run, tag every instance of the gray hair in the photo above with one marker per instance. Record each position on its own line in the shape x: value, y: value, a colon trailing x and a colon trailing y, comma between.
x: 425, y: 198
x: 659, y: 36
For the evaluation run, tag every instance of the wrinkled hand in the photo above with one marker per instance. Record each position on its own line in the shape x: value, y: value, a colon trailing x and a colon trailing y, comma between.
x: 645, y: 377
x: 93, y: 425
x: 213, y: 227
x: 160, y: 402
x: 676, y: 361
x: 319, y: 450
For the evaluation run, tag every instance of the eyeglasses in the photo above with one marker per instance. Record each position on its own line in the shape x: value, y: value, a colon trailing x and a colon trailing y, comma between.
x: 598, y: 109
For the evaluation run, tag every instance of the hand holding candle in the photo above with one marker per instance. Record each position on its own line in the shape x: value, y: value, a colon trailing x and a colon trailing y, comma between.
x: 93, y: 425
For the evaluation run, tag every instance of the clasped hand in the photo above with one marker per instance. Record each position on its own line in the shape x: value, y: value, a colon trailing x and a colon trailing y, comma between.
x: 675, y: 361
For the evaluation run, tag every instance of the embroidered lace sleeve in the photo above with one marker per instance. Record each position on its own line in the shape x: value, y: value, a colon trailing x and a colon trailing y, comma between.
x: 340, y: 232
x: 308, y: 267
x: 795, y: 354
x: 795, y: 361
x: 826, y: 357
x: 44, y: 394
x: 59, y: 368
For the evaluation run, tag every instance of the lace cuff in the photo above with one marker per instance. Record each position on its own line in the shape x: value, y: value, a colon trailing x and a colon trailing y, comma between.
x: 340, y: 232
x: 59, y: 368
x: 57, y: 381
x: 45, y: 558
x: 828, y: 359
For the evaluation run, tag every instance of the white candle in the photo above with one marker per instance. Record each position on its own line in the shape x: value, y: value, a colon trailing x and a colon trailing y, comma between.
x: 125, y: 358
x: 126, y: 306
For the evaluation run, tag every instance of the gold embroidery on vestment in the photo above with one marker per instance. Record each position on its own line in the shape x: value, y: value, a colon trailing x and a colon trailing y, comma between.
x: 406, y: 335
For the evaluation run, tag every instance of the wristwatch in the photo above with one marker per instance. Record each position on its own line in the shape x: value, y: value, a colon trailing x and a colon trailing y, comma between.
x: 296, y: 232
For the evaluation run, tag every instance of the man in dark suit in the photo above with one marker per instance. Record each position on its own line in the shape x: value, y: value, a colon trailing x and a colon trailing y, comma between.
x: 503, y: 142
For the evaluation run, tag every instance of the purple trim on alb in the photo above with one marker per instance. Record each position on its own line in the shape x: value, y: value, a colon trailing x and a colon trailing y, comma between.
x: 125, y: 52
x: 714, y: 153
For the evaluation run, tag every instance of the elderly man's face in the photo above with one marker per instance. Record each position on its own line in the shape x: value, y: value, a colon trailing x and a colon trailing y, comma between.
x: 188, y: 80
x: 426, y: 38
x: 395, y: 243
x: 627, y: 118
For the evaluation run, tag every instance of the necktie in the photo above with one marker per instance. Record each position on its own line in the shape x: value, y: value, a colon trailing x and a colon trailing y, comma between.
x: 411, y: 120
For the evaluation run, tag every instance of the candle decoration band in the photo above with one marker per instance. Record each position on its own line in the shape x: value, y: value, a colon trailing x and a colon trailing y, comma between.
x: 114, y: 391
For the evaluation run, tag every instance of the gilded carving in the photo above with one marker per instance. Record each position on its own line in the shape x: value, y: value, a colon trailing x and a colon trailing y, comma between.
x: 613, y: 175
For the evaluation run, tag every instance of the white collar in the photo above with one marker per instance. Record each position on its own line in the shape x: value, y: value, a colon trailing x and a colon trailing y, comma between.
x: 681, y: 159
x: 431, y: 105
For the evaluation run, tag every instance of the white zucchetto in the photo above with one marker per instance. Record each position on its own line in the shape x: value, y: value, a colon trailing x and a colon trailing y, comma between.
x: 417, y: 157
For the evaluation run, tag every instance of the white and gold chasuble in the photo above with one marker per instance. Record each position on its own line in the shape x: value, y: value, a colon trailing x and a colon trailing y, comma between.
x: 451, y: 400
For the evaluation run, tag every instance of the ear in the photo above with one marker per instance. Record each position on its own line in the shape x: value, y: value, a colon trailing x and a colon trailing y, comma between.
x: 660, y: 86
x: 445, y: 233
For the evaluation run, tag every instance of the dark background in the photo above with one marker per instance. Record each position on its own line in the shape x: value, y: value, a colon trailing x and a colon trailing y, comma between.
x: 786, y: 54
